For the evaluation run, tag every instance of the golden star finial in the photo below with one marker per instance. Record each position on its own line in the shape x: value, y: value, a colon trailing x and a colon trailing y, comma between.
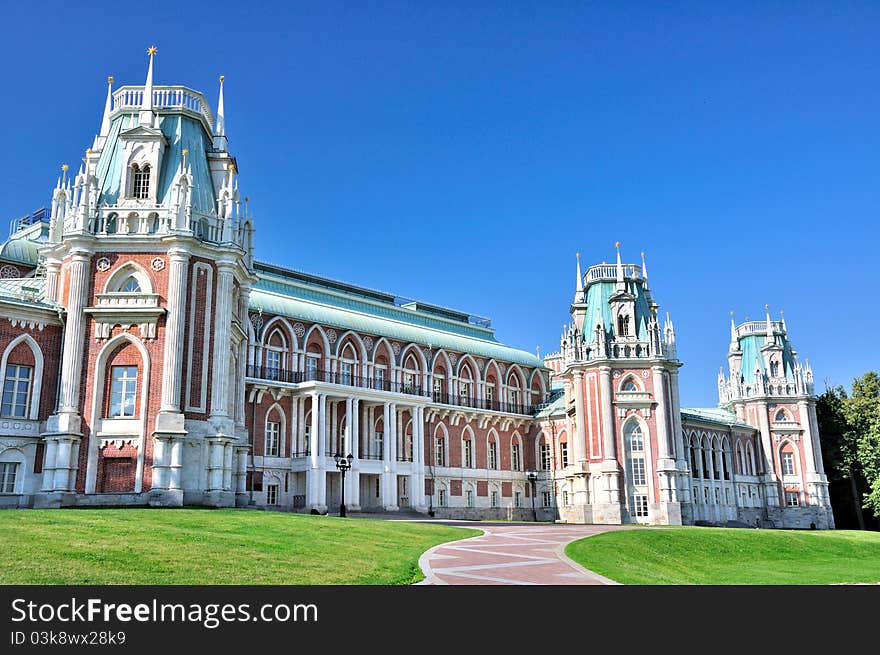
x: 63, y: 167
x: 185, y: 152
x: 578, y: 255
x: 617, y: 244
x: 222, y: 77
x: 109, y: 79
x: 152, y: 50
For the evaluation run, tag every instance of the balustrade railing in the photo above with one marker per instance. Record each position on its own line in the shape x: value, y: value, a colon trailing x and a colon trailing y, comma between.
x: 380, y: 384
x: 164, y: 97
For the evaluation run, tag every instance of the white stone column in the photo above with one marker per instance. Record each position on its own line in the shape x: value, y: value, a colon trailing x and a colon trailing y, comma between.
x: 608, y: 431
x: 172, y: 364
x: 53, y: 266
x: 160, y: 467
x: 322, y: 426
x: 580, y: 437
x: 771, y: 490
x: 227, y: 466
x: 223, y: 323
x: 74, y: 335
x: 215, y: 469
x: 175, y: 466
x: 49, y: 467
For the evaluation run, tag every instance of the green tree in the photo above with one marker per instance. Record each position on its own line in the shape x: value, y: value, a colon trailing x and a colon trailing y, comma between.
x: 840, y: 453
x: 862, y: 412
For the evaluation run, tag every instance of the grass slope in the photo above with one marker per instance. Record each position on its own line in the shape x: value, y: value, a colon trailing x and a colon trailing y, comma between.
x: 193, y: 546
x: 723, y: 556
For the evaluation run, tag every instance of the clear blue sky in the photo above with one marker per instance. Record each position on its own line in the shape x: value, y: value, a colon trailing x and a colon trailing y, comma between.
x: 462, y: 152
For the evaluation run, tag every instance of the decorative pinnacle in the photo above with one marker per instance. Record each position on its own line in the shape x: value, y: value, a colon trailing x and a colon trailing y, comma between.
x: 578, y: 255
x: 731, y: 313
x: 152, y: 50
x: 109, y: 79
x: 64, y: 167
x: 767, y: 306
x: 617, y: 244
x: 222, y: 77
x: 185, y: 152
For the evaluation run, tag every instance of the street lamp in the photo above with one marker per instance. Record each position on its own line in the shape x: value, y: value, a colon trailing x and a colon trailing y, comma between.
x: 343, y: 464
x: 532, y: 477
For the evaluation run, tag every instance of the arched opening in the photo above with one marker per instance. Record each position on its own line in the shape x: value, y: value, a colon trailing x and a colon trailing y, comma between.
x: 637, y: 470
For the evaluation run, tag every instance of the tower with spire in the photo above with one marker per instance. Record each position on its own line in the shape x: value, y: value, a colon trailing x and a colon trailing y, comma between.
x: 151, y: 255
x: 768, y: 387
x: 620, y: 374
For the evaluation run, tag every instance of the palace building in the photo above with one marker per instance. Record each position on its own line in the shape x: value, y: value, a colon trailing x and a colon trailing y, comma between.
x: 150, y: 359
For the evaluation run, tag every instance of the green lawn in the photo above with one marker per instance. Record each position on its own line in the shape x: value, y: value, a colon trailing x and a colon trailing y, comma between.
x: 197, y: 546
x: 720, y: 556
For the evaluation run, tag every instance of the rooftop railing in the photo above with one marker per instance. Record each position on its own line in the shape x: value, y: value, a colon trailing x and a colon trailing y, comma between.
x: 609, y: 272
x: 164, y: 97
x: 272, y: 374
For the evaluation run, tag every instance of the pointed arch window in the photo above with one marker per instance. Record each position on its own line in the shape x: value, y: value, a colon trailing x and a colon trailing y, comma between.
x: 774, y: 368
x: 140, y: 186
x: 629, y: 385
x: 623, y: 325
x: 130, y: 285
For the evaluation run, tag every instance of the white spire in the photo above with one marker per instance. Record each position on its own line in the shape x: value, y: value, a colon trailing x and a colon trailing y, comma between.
x: 108, y: 106
x: 220, y: 129
x: 782, y: 314
x: 644, y: 268
x: 580, y: 278
x: 769, y: 324
x: 619, y: 278
x: 146, y: 114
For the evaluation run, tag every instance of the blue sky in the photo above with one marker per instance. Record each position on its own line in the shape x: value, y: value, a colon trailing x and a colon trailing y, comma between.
x: 462, y: 152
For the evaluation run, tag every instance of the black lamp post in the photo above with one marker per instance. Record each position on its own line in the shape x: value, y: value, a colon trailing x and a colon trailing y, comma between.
x: 532, y: 478
x: 343, y: 464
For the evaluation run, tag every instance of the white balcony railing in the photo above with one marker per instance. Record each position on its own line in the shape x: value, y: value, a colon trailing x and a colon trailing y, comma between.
x: 164, y: 97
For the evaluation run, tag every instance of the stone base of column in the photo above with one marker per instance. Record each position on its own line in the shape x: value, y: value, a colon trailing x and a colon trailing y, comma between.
x: 391, y: 508
x: 166, y: 498
x: 607, y: 513
x: 219, y: 499
x: 579, y: 513
x: 666, y: 513
x: 54, y: 500
x: 242, y: 499
x: 317, y: 509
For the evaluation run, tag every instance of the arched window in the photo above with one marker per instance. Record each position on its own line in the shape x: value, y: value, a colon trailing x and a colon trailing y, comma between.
x: 629, y: 385
x: 439, y: 452
x: 131, y: 285
x: 492, y: 452
x: 774, y: 368
x: 467, y: 451
x: 623, y: 325
x: 515, y: 455
x: 140, y: 187
x: 782, y: 416
x: 637, y: 478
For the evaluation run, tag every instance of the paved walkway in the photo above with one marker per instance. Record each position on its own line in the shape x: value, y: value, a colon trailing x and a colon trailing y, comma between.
x: 511, y: 554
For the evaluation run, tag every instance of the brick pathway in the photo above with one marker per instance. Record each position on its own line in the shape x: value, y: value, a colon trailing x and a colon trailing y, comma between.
x: 511, y: 554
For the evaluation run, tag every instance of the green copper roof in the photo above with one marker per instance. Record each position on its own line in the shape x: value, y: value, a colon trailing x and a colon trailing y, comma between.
x: 714, y: 415
x: 23, y: 245
x: 554, y: 408
x: 599, y: 293
x: 752, y: 356
x: 28, y: 291
x: 181, y: 132
x: 295, y: 298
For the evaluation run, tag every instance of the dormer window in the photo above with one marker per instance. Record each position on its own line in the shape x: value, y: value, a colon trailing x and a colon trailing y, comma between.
x: 131, y: 285
x: 140, y: 187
